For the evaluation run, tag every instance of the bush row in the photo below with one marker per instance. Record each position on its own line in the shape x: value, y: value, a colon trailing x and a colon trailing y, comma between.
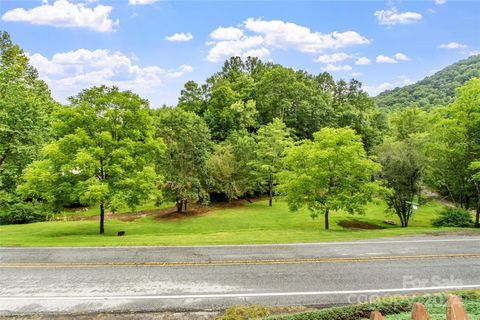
x: 386, y: 306
x: 23, y: 212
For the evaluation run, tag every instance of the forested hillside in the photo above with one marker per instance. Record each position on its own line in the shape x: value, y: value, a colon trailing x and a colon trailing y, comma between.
x: 436, y: 90
x: 251, y: 129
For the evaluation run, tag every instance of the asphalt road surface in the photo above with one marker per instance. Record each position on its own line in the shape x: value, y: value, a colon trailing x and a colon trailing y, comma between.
x: 152, y: 279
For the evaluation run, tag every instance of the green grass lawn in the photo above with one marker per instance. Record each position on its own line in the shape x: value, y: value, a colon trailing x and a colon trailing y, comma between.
x: 253, y: 223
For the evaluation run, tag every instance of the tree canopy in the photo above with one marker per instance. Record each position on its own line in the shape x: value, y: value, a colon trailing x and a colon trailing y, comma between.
x: 247, y: 94
x: 184, y: 164
x: 25, y: 107
x: 332, y: 172
x: 272, y: 140
x: 104, y: 153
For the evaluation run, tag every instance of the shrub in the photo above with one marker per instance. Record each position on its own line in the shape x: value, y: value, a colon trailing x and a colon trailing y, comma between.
x: 245, y: 312
x: 453, y: 217
x: 22, y: 212
x: 352, y: 312
x: 386, y: 306
x: 251, y: 312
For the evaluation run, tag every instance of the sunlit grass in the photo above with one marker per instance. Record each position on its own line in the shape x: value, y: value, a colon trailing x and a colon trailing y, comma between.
x: 253, y: 223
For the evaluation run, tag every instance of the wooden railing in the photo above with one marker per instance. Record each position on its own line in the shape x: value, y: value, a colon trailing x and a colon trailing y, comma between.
x: 455, y: 311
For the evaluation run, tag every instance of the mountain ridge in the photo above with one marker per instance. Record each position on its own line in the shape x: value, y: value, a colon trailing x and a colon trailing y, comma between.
x: 434, y: 90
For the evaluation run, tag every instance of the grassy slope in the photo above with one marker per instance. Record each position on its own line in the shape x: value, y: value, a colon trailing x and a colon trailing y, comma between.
x: 252, y: 223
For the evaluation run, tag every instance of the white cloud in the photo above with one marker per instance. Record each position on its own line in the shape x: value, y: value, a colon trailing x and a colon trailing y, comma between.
x: 363, y: 61
x: 180, y: 71
x: 375, y: 90
x: 357, y: 74
x: 287, y: 35
x: 393, y: 17
x: 180, y: 37
x: 226, y: 49
x: 230, y: 33
x: 398, y: 82
x: 401, y: 57
x: 452, y: 45
x: 395, y: 59
x: 438, y: 2
x: 384, y: 59
x: 65, y: 14
x: 259, y: 53
x: 259, y: 36
x: 332, y: 58
x: 69, y: 72
x: 43, y: 65
x: 473, y: 52
x: 333, y: 68
x: 140, y: 2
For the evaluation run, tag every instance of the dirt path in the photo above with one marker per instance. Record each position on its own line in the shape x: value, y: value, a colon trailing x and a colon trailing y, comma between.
x: 439, y: 198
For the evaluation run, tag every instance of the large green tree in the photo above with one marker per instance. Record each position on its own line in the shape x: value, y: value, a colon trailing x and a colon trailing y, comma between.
x: 403, y: 166
x: 466, y: 109
x: 455, y: 144
x: 227, y: 112
x: 104, y: 153
x: 192, y: 98
x: 184, y: 164
x: 475, y: 167
x: 332, y: 172
x: 272, y: 139
x: 299, y: 99
x: 353, y: 108
x: 25, y: 107
x: 403, y: 161
x: 231, y: 166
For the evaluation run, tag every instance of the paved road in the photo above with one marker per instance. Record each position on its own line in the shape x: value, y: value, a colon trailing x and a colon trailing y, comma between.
x: 212, y: 277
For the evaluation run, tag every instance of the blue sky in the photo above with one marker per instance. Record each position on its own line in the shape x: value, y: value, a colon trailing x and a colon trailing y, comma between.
x: 154, y: 47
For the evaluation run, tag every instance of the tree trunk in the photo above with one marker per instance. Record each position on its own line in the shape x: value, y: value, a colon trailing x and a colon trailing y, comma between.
x: 179, y: 205
x: 402, y: 220
x: 326, y: 219
x: 185, y: 204
x: 102, y: 202
x: 102, y: 218
x: 477, y: 216
x: 270, y: 193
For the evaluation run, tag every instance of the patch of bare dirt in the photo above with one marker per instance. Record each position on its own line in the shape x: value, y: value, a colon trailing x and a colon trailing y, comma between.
x: 358, y: 225
x: 171, y: 213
